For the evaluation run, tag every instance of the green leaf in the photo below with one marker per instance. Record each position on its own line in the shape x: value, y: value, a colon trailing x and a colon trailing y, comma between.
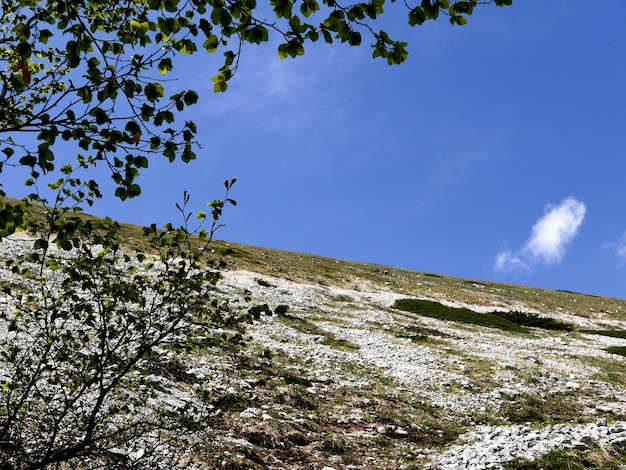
x: 44, y: 35
x: 356, y: 13
x: 24, y: 50
x: 28, y: 160
x: 121, y: 193
x: 221, y: 17
x: 313, y: 35
x: 142, y: 26
x: 458, y: 19
x: 132, y: 127
x: 17, y: 82
x: 355, y: 38
x: 22, y: 32
x: 211, y: 44
x: 219, y: 84
x: 309, y: 6
x: 464, y: 8
x: 188, y: 154
x: 431, y: 9
x: 417, y: 16
x: 100, y: 115
x: 186, y: 46
x: 140, y: 162
x: 282, y: 8
x: 190, y: 97
x: 85, y: 94
x: 165, y: 65
x: 205, y: 26
x: 283, y: 51
x: 257, y: 34
x: 154, y: 91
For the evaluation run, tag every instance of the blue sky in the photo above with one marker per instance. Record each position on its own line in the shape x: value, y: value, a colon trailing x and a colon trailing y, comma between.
x: 495, y: 153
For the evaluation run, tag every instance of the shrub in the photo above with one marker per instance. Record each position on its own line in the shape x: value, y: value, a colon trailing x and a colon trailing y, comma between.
x: 89, y: 322
x: 535, y: 321
x: 611, y: 333
x: 620, y: 350
x: 463, y: 315
x: 507, y: 321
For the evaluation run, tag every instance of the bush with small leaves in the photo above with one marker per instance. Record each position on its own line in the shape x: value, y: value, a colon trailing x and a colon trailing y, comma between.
x: 88, y: 318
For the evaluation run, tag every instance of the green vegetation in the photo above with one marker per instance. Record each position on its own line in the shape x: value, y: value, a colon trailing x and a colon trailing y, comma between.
x: 83, y: 342
x: 554, y: 408
x: 507, y: 321
x: 335, y: 446
x: 463, y: 315
x: 297, y: 379
x: 619, y: 350
x: 535, y: 321
x: 264, y: 283
x: 611, y: 333
x: 415, y: 333
x: 308, y: 327
x: 611, y: 370
x: 313, y: 429
x: 599, y: 459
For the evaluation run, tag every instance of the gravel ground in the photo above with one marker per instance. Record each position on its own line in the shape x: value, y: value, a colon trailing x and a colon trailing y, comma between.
x: 468, y: 374
x: 447, y: 374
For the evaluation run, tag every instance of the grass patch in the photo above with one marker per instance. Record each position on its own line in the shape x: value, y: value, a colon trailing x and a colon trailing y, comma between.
x: 297, y: 380
x: 232, y: 402
x: 475, y: 283
x: 565, y: 291
x: 340, y: 344
x: 611, y: 370
x: 305, y: 326
x: 424, y: 424
x: 172, y: 369
x: 424, y: 331
x: 535, y: 409
x: 335, y: 446
x: 507, y: 321
x: 619, y: 350
x: 611, y: 333
x: 342, y: 298
x: 263, y: 283
x: 414, y: 333
x: 436, y: 276
x: 299, y: 398
x: 600, y: 459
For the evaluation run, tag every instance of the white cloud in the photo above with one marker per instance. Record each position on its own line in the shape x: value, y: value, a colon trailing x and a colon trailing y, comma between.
x: 508, y: 261
x: 555, y: 230
x: 549, y: 237
x: 619, y: 248
x: 281, y: 94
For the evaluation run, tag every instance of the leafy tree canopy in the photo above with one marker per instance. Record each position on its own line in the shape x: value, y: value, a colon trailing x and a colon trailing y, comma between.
x: 92, y: 72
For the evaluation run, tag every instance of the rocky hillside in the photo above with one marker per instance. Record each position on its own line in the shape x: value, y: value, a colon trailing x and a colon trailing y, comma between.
x: 366, y: 385
x: 338, y: 377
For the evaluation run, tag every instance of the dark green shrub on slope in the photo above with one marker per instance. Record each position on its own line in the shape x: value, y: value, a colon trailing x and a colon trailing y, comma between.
x: 507, y: 321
